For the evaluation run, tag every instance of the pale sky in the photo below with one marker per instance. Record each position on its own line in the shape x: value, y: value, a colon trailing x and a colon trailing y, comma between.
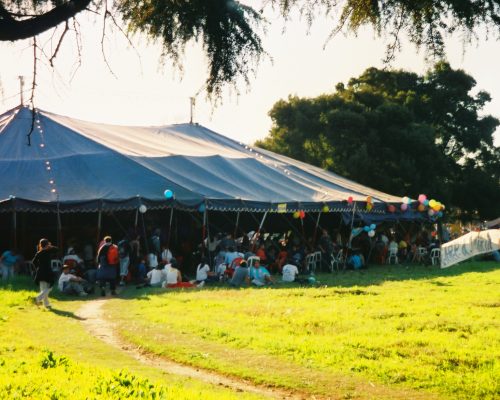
x: 147, y: 93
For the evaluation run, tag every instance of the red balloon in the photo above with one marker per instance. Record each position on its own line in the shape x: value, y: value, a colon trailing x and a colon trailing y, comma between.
x: 350, y: 199
x: 391, y: 208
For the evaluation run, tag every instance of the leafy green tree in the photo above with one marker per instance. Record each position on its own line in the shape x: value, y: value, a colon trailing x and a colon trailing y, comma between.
x: 230, y: 30
x: 399, y: 132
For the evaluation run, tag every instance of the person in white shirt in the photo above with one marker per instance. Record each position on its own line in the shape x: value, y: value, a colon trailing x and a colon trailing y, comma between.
x: 290, y: 271
x: 71, y: 284
x: 166, y: 255
x: 152, y: 261
x: 174, y: 277
x: 203, y: 272
x: 157, y: 276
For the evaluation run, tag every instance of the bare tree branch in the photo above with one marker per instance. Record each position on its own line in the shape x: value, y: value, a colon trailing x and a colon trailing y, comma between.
x: 51, y: 60
x: 106, y: 14
x: 12, y: 29
x: 33, y: 87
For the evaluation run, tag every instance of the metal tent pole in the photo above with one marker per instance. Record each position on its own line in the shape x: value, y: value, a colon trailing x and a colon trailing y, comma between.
x: 315, y: 234
x: 236, y: 225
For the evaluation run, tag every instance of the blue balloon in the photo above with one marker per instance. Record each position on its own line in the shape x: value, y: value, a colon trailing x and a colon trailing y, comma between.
x: 201, y: 208
x: 367, y: 228
x: 426, y: 202
x: 372, y: 227
x: 440, y: 214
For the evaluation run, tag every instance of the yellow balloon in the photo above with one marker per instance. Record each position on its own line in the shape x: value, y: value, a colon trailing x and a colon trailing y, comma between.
x: 296, y: 214
x: 326, y: 209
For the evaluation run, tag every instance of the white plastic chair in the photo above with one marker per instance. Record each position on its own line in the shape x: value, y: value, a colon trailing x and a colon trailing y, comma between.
x: 436, y: 256
x: 251, y: 260
x: 393, y: 256
x: 56, y: 265
x: 336, y: 261
x: 317, y: 260
x: 311, y: 262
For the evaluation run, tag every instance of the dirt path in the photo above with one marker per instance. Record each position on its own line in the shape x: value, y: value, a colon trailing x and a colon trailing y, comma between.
x: 94, y: 320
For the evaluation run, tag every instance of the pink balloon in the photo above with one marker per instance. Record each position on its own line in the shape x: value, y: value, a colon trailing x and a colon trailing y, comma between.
x: 422, y: 198
x: 404, y: 207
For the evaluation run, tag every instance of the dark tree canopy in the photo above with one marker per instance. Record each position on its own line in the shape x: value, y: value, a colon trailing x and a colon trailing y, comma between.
x: 230, y: 31
x: 402, y: 133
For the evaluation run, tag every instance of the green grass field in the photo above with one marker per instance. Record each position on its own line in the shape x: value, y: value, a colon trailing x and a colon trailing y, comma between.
x: 377, y: 333
x: 48, y: 355
x: 388, y: 332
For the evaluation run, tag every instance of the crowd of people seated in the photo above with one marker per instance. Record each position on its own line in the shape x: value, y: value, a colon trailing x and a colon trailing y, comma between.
x: 253, y: 259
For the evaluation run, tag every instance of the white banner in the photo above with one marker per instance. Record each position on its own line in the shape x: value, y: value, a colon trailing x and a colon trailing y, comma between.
x: 469, y: 245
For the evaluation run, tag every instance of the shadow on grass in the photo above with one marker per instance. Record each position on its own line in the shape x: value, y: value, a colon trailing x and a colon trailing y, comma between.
x: 67, y: 314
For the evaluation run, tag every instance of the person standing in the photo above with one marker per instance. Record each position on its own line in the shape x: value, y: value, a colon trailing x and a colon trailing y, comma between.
x: 124, y: 255
x: 44, y: 276
x: 7, y: 261
x: 108, y: 261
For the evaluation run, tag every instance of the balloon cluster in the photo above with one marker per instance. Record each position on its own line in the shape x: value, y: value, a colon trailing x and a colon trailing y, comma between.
x: 370, y: 229
x: 299, y: 214
x: 435, y: 208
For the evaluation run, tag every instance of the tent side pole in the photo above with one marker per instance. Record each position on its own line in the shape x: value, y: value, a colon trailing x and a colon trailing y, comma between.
x: 59, y: 229
x: 170, y: 226
x: 14, y: 229
x: 315, y: 233
x: 236, y: 224
x: 204, y: 230
x: 257, y: 234
x: 99, y: 219
x: 352, y: 224
x: 208, y: 242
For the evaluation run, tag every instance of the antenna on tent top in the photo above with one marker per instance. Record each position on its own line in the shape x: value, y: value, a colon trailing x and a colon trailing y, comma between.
x: 192, y: 103
x: 21, y: 84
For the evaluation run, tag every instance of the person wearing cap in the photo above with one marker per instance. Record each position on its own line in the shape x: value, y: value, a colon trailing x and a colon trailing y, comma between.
x: 44, y: 276
x: 71, y: 284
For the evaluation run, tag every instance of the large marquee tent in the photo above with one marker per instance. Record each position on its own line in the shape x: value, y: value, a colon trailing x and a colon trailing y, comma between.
x: 77, y: 166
